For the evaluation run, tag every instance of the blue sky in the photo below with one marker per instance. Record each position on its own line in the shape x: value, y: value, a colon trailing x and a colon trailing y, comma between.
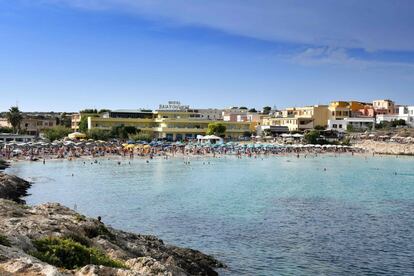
x: 73, y: 54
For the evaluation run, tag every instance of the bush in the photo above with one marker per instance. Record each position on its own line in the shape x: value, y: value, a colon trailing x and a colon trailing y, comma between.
x: 57, y: 133
x: 142, y: 137
x: 6, y: 130
x: 216, y: 129
x: 312, y: 137
x: 4, y: 241
x: 99, y: 134
x: 123, y: 132
x: 100, y: 230
x: 67, y: 253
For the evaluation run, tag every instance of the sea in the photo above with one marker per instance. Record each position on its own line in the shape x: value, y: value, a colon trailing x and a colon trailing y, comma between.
x: 276, y: 215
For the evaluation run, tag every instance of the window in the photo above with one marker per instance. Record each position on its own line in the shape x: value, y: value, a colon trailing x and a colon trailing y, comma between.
x: 335, y: 126
x: 340, y: 126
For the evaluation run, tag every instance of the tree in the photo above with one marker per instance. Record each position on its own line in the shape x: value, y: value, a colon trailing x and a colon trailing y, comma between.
x: 99, y: 134
x: 14, y: 117
x: 123, y: 132
x: 104, y: 111
x: 253, y: 110
x: 312, y: 137
x: 142, y: 137
x: 243, y: 107
x: 64, y: 120
x: 57, y: 133
x: 318, y: 127
x: 216, y: 129
x: 399, y: 122
x: 350, y: 128
x: 83, y: 124
x: 89, y: 110
x: 266, y: 110
x: 6, y: 130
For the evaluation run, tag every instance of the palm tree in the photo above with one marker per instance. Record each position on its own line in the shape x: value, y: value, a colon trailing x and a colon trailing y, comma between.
x: 14, y: 117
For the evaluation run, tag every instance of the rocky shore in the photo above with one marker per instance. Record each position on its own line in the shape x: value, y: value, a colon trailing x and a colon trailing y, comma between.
x: 34, y: 239
x: 380, y: 147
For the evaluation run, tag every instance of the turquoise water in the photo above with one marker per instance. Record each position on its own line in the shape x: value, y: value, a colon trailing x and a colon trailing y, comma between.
x: 276, y: 216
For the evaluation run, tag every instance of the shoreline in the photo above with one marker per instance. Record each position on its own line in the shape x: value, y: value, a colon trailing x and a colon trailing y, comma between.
x: 23, y: 226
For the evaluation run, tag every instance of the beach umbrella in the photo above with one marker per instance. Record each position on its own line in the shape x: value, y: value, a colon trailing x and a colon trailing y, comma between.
x: 76, y: 135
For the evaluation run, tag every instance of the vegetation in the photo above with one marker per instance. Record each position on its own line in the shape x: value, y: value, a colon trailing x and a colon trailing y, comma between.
x: 83, y: 124
x: 57, y: 133
x: 312, y: 137
x: 90, y: 111
x: 242, y: 107
x: 318, y: 127
x: 253, y: 110
x: 6, y: 130
x: 266, y: 109
x: 104, y: 111
x: 99, y: 134
x: 100, y: 230
x: 4, y: 241
x: 69, y: 254
x: 388, y: 125
x: 247, y: 134
x: 216, y: 129
x: 64, y: 120
x: 14, y: 117
x: 141, y: 137
x: 123, y: 132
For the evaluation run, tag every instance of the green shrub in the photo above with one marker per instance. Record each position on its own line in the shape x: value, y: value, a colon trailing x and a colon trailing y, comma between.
x: 67, y: 253
x: 56, y: 133
x: 4, y: 241
x: 141, y: 137
x: 100, y: 230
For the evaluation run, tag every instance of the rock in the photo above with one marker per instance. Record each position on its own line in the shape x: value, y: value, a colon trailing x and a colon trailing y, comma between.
x: 13, y: 187
x: 14, y: 261
x: 142, y: 254
x: 3, y: 165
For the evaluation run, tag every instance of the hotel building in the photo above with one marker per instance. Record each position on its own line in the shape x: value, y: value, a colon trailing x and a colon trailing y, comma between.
x: 172, y: 121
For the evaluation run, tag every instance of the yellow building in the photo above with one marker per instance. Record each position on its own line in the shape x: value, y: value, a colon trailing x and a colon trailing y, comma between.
x: 171, y: 125
x: 339, y: 110
x: 300, y: 118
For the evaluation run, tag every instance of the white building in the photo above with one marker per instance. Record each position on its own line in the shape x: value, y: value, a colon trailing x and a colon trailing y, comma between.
x: 210, y: 113
x: 405, y: 113
x: 357, y: 123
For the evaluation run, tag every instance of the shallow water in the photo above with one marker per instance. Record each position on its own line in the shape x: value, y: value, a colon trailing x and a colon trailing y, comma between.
x: 276, y: 216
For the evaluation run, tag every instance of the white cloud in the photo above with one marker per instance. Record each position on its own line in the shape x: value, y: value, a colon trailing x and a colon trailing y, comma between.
x: 372, y: 25
x: 340, y: 58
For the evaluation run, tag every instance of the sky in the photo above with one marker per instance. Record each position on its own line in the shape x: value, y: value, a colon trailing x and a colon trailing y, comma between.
x: 67, y: 55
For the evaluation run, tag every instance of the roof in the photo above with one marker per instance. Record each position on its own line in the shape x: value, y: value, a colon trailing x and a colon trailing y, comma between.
x: 131, y: 111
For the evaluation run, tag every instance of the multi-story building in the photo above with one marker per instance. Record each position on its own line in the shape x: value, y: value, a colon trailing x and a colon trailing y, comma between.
x: 77, y: 117
x: 339, y: 110
x: 384, y: 107
x: 405, y: 113
x: 231, y: 114
x: 32, y: 125
x: 172, y: 122
x: 300, y: 118
x: 352, y: 123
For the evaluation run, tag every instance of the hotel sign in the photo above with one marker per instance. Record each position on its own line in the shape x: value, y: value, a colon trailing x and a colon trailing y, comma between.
x: 173, y: 106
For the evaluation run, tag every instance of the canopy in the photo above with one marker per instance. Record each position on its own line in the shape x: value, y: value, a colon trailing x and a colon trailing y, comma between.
x: 76, y: 135
x: 211, y: 137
